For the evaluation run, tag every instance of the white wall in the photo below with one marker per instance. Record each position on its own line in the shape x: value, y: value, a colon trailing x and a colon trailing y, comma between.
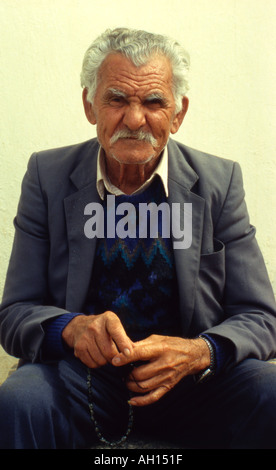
x: 232, y: 97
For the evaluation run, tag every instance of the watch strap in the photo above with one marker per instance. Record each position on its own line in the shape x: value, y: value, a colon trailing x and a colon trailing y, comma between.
x: 210, y: 370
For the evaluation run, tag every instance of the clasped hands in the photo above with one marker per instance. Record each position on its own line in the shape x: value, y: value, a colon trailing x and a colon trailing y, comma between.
x: 101, y: 339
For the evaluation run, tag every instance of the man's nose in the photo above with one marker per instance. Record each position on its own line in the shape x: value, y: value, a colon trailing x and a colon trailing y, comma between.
x: 134, y: 117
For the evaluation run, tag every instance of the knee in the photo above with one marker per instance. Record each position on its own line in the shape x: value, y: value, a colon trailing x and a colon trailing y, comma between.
x: 20, y: 393
x: 27, y: 407
x: 257, y: 428
x: 259, y: 380
x: 265, y: 384
x: 263, y: 376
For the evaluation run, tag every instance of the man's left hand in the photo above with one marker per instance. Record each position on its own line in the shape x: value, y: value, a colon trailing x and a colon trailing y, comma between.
x: 167, y: 360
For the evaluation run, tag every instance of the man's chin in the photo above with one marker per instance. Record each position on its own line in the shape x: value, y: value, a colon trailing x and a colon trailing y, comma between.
x: 130, y: 159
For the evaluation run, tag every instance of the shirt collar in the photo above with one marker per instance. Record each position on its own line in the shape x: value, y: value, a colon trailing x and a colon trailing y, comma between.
x: 103, y: 182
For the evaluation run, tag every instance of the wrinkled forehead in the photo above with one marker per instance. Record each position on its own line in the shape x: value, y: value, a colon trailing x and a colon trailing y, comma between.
x: 117, y: 71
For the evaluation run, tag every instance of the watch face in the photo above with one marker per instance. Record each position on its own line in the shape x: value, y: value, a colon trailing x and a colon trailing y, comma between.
x: 202, y: 376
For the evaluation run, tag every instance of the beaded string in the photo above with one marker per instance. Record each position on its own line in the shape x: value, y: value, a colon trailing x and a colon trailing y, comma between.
x: 96, y: 425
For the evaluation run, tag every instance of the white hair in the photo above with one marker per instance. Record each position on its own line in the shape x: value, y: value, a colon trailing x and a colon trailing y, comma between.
x: 138, y: 46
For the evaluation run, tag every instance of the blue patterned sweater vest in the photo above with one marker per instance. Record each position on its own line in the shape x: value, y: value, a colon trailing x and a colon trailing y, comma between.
x: 135, y: 277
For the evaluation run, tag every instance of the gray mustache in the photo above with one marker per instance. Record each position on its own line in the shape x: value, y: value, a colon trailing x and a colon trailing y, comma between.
x: 139, y: 135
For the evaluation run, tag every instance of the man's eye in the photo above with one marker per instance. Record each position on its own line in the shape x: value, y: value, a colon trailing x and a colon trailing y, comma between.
x: 117, y: 101
x: 155, y: 103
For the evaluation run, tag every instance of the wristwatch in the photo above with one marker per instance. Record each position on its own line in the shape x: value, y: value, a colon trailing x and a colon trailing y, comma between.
x: 204, y: 375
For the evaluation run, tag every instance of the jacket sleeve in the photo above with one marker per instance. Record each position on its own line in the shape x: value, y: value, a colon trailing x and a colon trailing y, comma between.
x: 24, y: 305
x: 249, y: 303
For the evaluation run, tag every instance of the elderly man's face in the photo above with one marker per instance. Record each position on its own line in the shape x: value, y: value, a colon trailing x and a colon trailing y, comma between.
x: 134, y: 108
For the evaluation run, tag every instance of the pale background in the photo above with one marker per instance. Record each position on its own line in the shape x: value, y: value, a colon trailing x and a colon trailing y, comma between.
x: 232, y: 110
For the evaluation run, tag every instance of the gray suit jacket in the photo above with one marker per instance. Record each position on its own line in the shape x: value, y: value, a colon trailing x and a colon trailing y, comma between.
x: 223, y: 284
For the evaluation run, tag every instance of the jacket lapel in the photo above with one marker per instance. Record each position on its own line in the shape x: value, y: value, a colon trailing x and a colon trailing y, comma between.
x: 81, y: 248
x: 182, y: 178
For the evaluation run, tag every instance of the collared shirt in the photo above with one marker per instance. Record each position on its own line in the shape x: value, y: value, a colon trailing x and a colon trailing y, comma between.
x: 103, y: 182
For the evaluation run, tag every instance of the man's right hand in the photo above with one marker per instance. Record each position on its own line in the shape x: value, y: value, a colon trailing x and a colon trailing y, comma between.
x: 96, y: 339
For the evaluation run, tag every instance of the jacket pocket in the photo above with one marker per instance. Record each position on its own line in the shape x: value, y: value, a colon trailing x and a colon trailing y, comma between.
x: 210, y: 289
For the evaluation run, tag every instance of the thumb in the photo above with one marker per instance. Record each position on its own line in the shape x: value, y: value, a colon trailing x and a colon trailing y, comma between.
x: 135, y: 354
x: 116, y: 331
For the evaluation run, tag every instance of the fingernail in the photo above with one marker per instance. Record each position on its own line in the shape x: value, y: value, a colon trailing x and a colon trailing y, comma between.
x: 126, y: 352
x: 116, y: 360
x: 132, y: 402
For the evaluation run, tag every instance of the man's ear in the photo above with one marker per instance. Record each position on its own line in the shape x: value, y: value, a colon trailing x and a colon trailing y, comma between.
x: 88, y: 108
x: 179, y: 117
